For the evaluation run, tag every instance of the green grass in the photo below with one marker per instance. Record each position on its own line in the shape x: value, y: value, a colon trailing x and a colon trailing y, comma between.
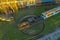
x: 9, y: 31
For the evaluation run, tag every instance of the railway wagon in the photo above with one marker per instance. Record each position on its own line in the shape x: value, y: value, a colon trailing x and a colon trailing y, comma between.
x: 51, y: 12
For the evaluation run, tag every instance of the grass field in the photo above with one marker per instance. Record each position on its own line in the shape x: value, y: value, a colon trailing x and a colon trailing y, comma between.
x: 9, y: 31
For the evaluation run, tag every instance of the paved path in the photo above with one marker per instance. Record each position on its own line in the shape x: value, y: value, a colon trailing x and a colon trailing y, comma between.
x: 52, y: 36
